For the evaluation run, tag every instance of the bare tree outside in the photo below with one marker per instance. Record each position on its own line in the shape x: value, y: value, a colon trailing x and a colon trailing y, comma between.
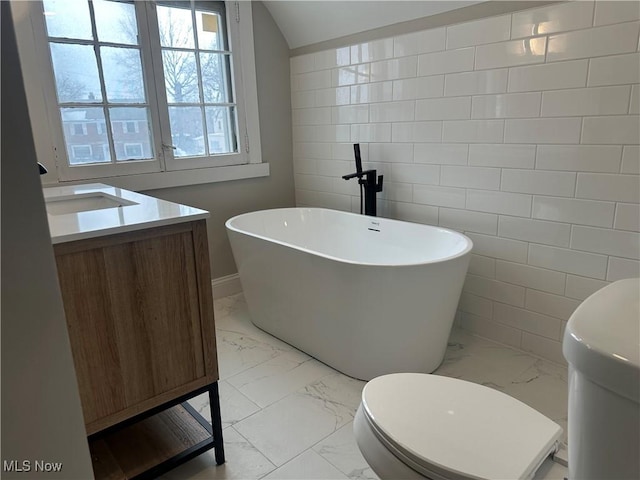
x: 128, y: 28
x: 183, y: 79
x: 71, y: 88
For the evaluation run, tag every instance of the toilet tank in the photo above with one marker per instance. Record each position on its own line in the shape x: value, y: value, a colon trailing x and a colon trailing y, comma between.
x: 602, y: 345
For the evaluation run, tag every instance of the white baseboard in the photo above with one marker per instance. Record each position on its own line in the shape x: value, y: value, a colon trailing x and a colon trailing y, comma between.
x: 225, y: 286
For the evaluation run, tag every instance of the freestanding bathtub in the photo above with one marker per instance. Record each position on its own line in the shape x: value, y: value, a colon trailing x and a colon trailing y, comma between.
x: 365, y: 295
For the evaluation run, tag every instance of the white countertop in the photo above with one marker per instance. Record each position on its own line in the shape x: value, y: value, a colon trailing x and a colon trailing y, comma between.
x: 139, y: 212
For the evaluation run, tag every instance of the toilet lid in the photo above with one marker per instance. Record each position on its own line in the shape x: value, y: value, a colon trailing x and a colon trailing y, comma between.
x: 457, y: 429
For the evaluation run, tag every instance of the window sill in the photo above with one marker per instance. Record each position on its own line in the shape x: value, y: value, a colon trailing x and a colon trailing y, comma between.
x: 182, y: 178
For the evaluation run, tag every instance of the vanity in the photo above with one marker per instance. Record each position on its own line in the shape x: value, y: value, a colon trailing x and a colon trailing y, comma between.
x: 136, y: 286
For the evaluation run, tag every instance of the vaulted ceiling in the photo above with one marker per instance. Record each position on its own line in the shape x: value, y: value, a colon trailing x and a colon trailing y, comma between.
x: 307, y: 22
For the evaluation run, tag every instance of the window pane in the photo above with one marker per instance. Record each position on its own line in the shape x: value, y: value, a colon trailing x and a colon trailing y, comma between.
x: 214, y: 77
x: 176, y: 27
x: 180, y: 76
x: 209, y: 35
x: 85, y: 143
x: 221, y: 130
x: 186, y: 131
x: 116, y: 22
x: 196, y: 76
x: 130, y: 125
x: 67, y: 19
x: 122, y: 74
x: 76, y: 73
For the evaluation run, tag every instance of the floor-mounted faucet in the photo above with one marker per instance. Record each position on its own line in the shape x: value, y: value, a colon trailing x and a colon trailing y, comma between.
x: 371, y: 183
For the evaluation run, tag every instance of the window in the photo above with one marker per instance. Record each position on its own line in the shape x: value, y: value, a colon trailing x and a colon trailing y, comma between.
x: 197, y: 73
x: 81, y: 153
x: 159, y: 83
x: 133, y: 150
x: 78, y: 129
x: 130, y: 127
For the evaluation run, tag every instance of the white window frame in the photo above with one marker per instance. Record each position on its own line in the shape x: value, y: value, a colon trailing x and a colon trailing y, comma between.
x: 49, y: 138
x: 242, y: 156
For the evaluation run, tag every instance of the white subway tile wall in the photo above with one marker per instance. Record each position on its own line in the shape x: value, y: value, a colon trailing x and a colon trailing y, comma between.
x: 511, y: 105
x: 522, y: 131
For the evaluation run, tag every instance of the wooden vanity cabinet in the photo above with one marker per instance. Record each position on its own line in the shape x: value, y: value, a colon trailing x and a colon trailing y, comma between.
x: 139, y: 311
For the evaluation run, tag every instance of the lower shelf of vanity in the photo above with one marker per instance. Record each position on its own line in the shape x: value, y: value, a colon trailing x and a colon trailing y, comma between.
x: 151, y: 446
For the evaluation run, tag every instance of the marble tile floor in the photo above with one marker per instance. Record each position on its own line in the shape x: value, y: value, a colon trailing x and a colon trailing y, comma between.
x: 288, y: 416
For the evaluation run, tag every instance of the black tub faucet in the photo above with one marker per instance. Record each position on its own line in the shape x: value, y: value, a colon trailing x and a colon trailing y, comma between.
x: 371, y: 183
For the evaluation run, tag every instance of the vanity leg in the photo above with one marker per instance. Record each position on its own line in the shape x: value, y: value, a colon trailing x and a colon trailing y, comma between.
x: 216, y: 423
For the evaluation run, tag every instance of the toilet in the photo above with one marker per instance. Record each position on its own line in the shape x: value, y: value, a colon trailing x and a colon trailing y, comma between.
x: 416, y: 426
x: 604, y: 384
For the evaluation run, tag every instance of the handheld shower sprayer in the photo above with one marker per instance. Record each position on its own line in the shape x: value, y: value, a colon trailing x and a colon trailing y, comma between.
x: 372, y: 183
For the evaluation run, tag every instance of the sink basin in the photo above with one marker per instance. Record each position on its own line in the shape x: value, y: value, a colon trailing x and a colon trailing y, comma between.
x: 84, y: 202
x: 91, y: 210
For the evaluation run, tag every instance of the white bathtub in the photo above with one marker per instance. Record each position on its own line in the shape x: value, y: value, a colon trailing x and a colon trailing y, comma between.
x: 365, y: 295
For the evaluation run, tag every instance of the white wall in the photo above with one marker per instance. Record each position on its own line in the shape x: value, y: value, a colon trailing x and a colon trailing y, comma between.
x: 520, y: 130
x: 41, y: 411
x: 340, y: 18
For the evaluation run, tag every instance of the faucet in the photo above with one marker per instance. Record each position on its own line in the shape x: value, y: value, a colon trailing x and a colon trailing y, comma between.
x: 371, y: 184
